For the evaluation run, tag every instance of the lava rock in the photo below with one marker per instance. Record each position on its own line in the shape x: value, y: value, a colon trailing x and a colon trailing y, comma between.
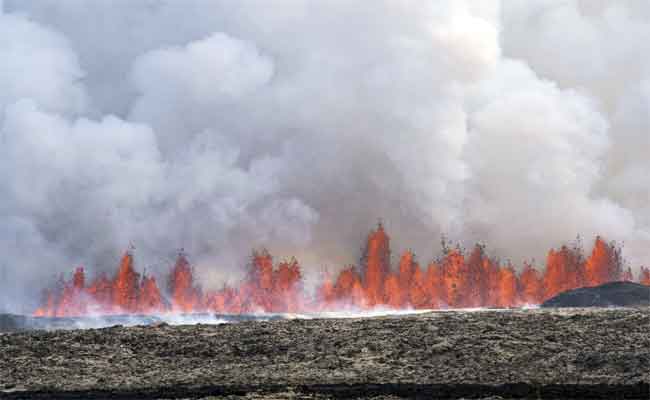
x: 613, y: 294
x: 540, y: 353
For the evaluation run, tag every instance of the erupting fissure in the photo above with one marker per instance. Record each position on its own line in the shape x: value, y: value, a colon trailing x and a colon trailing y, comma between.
x: 455, y: 280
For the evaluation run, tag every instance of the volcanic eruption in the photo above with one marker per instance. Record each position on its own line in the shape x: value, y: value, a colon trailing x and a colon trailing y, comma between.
x: 457, y: 279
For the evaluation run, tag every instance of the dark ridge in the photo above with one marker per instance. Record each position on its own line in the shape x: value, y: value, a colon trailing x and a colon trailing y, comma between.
x: 613, y: 294
x: 369, y: 390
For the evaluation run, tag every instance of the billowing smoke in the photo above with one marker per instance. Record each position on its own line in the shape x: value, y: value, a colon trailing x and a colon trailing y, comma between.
x: 219, y: 126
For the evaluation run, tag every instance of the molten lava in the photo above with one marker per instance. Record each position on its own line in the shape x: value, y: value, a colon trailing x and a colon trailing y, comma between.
x: 455, y: 280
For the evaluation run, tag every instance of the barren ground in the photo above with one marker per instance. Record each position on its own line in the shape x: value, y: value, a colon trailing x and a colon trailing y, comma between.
x: 594, y: 353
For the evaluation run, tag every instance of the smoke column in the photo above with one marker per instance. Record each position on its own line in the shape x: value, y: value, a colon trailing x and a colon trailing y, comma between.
x: 219, y: 127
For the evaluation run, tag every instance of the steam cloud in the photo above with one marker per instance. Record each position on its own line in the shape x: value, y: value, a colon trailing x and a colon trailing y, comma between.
x: 220, y: 126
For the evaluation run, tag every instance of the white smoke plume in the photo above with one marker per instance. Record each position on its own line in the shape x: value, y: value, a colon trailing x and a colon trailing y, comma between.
x: 219, y: 126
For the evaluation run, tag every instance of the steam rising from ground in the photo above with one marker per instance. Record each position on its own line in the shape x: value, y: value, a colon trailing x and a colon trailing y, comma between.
x: 220, y: 126
x: 9, y: 322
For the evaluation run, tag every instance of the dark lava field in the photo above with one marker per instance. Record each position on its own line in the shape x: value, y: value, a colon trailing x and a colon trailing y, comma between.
x: 543, y: 353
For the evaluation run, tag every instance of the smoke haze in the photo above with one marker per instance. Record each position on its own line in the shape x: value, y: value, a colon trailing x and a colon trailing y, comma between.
x: 220, y: 126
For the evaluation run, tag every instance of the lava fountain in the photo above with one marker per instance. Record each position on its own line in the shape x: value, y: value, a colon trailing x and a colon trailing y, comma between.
x: 457, y: 279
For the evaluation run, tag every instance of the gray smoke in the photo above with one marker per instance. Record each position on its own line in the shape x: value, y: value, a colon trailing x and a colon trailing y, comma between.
x: 219, y: 126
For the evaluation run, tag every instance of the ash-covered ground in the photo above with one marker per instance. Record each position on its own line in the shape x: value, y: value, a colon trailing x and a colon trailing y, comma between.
x: 542, y: 353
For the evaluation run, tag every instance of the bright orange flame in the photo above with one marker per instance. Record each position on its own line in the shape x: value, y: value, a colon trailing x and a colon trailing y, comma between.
x: 454, y: 280
x: 530, y: 285
x: 125, y: 286
x: 150, y: 300
x: 377, y: 266
x: 645, y: 276
x: 185, y: 297
x: 604, y: 265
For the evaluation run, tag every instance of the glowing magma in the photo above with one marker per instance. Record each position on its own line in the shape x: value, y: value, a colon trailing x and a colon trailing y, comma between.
x: 455, y: 280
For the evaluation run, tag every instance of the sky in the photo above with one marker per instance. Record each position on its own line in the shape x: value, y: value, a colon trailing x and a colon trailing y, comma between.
x: 218, y: 127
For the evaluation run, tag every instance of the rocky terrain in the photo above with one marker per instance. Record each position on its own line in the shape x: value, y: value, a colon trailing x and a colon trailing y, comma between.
x: 612, y: 294
x: 544, y: 353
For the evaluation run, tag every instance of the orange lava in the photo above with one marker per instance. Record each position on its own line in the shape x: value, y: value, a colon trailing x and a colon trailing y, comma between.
x: 455, y: 280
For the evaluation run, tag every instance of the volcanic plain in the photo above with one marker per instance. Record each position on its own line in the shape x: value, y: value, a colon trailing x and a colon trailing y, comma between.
x: 539, y: 353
